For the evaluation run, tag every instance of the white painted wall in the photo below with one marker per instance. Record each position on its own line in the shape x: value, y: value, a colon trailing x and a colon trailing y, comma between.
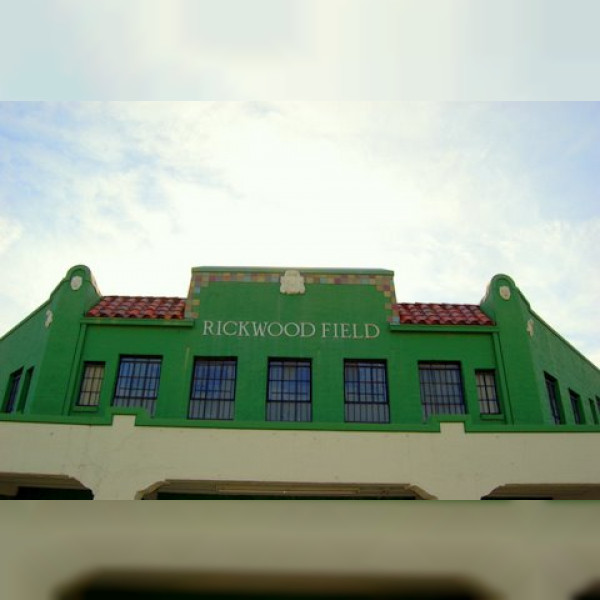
x: 121, y: 461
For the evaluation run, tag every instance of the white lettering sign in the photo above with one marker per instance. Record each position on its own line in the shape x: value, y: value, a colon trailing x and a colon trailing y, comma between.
x: 304, y: 329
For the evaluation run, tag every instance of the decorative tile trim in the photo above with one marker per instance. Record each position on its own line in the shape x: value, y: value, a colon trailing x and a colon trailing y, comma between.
x: 201, y: 280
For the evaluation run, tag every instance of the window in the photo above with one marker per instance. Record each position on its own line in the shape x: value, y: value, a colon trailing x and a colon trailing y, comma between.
x: 213, y: 389
x: 576, y: 407
x: 289, y: 390
x: 486, y: 392
x: 553, y: 399
x: 593, y: 411
x: 10, y: 404
x: 91, y: 384
x: 137, y: 383
x: 441, y: 388
x: 365, y: 392
x: 26, y: 386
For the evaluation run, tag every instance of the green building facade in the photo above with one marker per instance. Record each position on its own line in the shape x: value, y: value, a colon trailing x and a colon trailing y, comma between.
x: 311, y: 350
x: 336, y: 341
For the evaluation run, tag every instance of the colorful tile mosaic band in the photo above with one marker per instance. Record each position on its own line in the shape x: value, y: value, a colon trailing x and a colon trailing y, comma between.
x: 383, y: 284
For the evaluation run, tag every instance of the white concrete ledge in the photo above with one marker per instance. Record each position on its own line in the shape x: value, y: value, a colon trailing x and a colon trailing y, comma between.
x: 124, y: 462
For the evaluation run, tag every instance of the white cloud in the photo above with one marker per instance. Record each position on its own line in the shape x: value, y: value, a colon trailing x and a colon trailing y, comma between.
x: 10, y: 232
x: 142, y: 192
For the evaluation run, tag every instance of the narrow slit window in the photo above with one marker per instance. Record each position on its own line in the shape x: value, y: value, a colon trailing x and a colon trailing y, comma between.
x: 487, y: 392
x: 553, y: 399
x: 10, y: 404
x: 576, y: 407
x: 26, y: 386
x: 593, y: 411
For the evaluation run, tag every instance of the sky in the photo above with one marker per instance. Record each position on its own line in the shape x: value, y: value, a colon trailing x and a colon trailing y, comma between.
x: 446, y: 140
x: 445, y: 194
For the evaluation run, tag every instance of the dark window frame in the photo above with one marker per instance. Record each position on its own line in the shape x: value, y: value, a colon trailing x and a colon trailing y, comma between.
x: 149, y: 397
x: 433, y: 404
x: 290, y: 408
x: 487, y: 394
x: 11, y: 398
x: 593, y: 412
x: 204, y: 408
x: 85, y: 380
x: 553, y: 395
x: 576, y: 407
x: 365, y: 409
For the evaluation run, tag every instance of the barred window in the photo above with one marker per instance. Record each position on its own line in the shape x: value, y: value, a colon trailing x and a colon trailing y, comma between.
x: 289, y: 390
x: 213, y: 389
x: 91, y: 384
x: 553, y: 399
x: 137, y: 383
x: 10, y: 404
x: 576, y: 407
x: 486, y: 392
x: 441, y: 388
x: 365, y: 392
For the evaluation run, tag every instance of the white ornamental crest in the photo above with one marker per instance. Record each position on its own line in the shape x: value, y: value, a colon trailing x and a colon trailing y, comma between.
x: 504, y: 292
x: 292, y: 283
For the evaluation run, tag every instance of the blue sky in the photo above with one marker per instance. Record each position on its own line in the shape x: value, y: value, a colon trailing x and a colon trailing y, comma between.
x: 445, y: 194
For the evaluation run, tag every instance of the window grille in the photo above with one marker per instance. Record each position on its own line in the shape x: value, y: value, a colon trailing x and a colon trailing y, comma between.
x: 441, y: 388
x: 13, y: 389
x: 91, y: 384
x: 487, y: 393
x: 289, y: 390
x: 137, y: 383
x: 213, y: 389
x: 553, y: 399
x: 576, y: 407
x: 365, y: 392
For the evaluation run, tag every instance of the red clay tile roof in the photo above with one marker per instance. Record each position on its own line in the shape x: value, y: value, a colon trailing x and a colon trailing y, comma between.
x: 420, y: 313
x: 138, y: 307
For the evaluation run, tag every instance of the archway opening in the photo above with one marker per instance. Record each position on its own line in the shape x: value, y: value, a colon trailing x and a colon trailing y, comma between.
x: 26, y: 486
